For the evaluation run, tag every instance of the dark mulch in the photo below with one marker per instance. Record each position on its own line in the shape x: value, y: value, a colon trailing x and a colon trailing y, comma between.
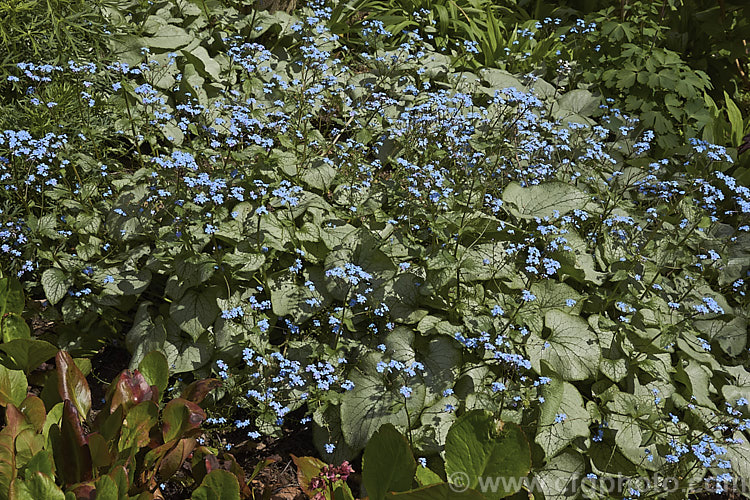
x: 279, y: 479
x: 105, y: 366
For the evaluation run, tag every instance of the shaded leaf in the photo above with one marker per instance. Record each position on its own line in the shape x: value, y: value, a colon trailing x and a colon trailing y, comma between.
x: 27, y: 354
x: 198, y: 390
x: 478, y: 446
x: 387, y: 464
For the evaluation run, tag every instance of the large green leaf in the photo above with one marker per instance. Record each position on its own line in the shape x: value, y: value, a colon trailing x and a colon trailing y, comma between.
x: 375, y: 399
x: 184, y: 354
x: 500, y: 79
x: 575, y: 104
x: 543, y: 200
x: 190, y: 271
x: 319, y: 175
x: 436, y: 422
x: 631, y: 438
x: 195, y: 311
x: 206, y: 65
x: 440, y: 491
x: 8, y: 469
x: 735, y: 118
x: 731, y: 336
x: 42, y: 462
x: 288, y: 298
x: 562, y: 418
x: 372, y: 404
x: 387, y: 464
x: 180, y: 417
x: 69, y: 446
x: 35, y: 487
x: 106, y: 487
x: 560, y: 478
x: 11, y: 296
x: 441, y: 357
x: 571, y: 350
x: 478, y: 447
x: 137, y: 424
x: 27, y: 354
x: 218, y: 485
x: 327, y: 429
x: 549, y: 295
x: 146, y: 334
x: 55, y: 284
x: 155, y: 368
x: 168, y: 37
x: 13, y: 326
x: 739, y: 455
x: 13, y: 386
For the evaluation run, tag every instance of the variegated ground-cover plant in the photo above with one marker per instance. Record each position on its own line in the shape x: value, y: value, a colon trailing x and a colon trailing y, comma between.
x: 363, y: 239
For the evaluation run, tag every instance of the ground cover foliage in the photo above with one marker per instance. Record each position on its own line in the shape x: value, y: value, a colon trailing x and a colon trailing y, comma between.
x: 402, y: 249
x: 681, y: 66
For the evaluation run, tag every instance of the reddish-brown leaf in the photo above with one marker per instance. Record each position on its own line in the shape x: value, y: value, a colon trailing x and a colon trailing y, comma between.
x: 198, y: 390
x: 181, y: 418
x: 307, y: 469
x: 129, y: 389
x: 72, y: 385
x: 174, y: 459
